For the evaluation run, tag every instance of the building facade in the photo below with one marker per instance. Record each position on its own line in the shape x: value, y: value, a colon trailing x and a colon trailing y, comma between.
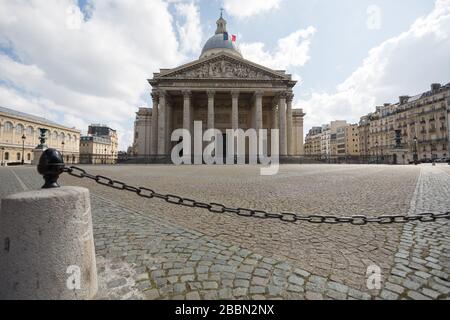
x: 100, y: 146
x: 223, y: 91
x: 352, y: 140
x: 415, y: 128
x: 328, y: 141
x: 19, y: 136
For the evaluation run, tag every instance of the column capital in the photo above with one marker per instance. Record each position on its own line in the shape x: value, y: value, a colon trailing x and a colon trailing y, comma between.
x: 258, y: 93
x: 155, y: 96
x: 283, y: 95
x: 187, y: 94
x: 211, y: 93
x: 162, y: 93
x: 290, y: 97
x: 235, y: 93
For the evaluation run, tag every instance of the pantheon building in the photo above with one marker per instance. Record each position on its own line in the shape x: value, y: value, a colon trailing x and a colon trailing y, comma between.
x: 224, y: 91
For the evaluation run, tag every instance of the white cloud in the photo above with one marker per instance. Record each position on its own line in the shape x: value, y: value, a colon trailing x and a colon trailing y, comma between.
x: 291, y: 51
x: 243, y: 9
x: 190, y: 32
x: 88, y: 70
x: 403, y: 65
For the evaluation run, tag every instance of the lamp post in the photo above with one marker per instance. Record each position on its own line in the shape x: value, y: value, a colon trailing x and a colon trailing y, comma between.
x: 376, y: 150
x: 23, y: 148
x: 62, y: 148
x: 106, y: 156
x: 112, y: 156
x: 3, y: 154
x: 415, y: 151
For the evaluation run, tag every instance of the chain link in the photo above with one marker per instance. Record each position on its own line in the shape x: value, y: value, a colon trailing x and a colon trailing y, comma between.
x: 259, y: 214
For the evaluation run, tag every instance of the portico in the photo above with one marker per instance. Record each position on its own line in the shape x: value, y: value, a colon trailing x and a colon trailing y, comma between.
x: 223, y: 91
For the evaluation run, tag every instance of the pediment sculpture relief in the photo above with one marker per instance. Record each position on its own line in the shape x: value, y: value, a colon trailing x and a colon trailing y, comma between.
x: 223, y: 69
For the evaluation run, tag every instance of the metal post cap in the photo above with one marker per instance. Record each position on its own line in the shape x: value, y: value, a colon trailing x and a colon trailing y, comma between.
x: 51, y: 165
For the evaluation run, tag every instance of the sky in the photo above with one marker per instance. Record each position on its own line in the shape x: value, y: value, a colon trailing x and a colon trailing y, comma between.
x: 82, y: 62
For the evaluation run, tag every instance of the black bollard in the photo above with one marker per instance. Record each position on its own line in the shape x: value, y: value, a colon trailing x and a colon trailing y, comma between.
x: 51, y: 165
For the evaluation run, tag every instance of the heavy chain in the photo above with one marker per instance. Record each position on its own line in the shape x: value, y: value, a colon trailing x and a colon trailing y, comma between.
x: 260, y: 214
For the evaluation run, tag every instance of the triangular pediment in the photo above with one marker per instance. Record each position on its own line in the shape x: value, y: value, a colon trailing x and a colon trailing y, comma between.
x: 223, y: 66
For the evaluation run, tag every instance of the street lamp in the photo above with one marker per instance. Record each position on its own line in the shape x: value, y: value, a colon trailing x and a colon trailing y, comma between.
x: 105, y: 156
x: 3, y: 154
x: 23, y: 148
x: 62, y: 148
x: 376, y: 150
x: 415, y: 151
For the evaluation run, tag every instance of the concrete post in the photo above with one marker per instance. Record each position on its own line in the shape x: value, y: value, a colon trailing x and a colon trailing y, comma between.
x: 47, y: 247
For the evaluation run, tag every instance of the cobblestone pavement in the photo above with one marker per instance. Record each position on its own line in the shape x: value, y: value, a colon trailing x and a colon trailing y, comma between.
x: 148, y: 249
x: 422, y: 263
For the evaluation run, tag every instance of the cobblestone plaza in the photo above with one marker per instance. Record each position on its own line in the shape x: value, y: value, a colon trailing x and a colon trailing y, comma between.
x: 149, y: 249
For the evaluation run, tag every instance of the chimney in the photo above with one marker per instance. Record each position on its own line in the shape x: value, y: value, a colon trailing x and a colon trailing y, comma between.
x: 435, y: 87
x: 403, y: 99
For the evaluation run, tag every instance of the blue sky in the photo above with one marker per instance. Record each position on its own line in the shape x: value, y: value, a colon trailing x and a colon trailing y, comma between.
x: 86, y: 61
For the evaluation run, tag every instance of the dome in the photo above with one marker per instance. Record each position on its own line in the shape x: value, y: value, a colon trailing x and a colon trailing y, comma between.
x: 217, y: 42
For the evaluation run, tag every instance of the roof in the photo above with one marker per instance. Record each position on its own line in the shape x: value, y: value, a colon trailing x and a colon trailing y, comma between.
x: 30, y: 117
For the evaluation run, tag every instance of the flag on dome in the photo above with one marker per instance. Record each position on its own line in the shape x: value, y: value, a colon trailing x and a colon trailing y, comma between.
x: 225, y: 36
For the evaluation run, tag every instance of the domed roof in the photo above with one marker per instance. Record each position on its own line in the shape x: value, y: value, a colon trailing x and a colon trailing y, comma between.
x: 217, y: 42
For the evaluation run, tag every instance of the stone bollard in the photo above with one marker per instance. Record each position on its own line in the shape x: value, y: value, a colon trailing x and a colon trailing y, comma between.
x: 46, y: 245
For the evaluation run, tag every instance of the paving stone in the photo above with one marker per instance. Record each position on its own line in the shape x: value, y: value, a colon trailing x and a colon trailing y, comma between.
x: 295, y: 288
x: 388, y: 295
x: 313, y: 296
x: 337, y: 287
x: 430, y: 293
x: 359, y: 295
x: 210, y: 285
x: 417, y: 296
x: 257, y: 290
x: 296, y: 280
x: 394, y: 287
x: 301, y: 272
x: 260, y: 281
x: 152, y: 294
x: 117, y: 283
x: 240, y: 292
x: 187, y: 278
x: 336, y: 295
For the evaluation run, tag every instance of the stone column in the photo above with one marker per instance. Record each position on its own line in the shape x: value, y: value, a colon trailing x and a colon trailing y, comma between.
x: 211, y: 94
x: 187, y: 111
x: 162, y: 123
x: 258, y: 110
x: 154, y: 135
x: 282, y: 121
x: 289, y: 132
x: 168, y: 123
x: 235, y: 110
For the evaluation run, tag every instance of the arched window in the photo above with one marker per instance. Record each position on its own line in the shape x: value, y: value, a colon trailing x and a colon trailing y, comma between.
x: 8, y: 126
x: 18, y: 156
x: 6, y: 155
x: 29, y: 156
x: 30, y: 131
x: 19, y: 129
